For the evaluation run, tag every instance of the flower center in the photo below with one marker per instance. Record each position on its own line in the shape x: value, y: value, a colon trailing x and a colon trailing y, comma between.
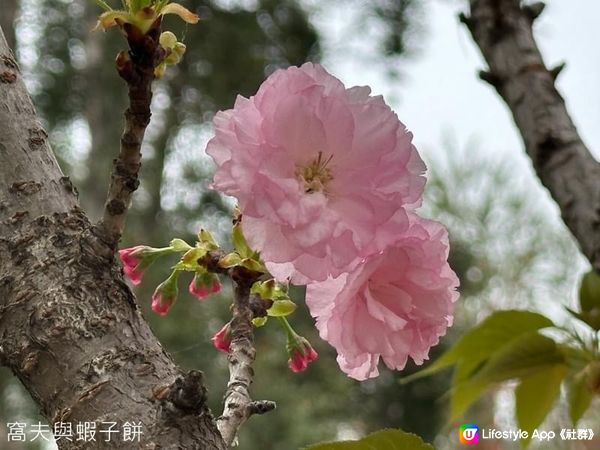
x: 315, y: 175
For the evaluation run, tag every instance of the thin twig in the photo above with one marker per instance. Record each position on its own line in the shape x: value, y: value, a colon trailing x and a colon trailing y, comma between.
x: 136, y: 67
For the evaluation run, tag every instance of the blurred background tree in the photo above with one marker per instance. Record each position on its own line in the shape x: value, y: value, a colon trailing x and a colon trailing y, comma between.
x: 499, y: 238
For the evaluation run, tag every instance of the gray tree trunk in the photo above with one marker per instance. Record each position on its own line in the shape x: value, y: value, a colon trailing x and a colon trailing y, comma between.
x: 503, y: 31
x: 70, y: 328
x: 8, y: 15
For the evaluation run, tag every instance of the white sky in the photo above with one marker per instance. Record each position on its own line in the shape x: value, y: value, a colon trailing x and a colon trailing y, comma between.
x: 440, y: 93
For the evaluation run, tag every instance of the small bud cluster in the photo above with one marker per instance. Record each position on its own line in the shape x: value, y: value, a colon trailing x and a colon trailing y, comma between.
x: 206, y: 260
x: 142, y: 18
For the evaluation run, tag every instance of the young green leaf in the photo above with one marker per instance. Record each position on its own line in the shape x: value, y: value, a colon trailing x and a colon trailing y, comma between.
x: 259, y: 321
x: 524, y: 356
x: 579, y: 396
x: 205, y: 237
x: 380, y: 440
x: 478, y: 344
x: 239, y: 242
x: 252, y: 264
x: 462, y: 395
x: 535, y: 396
x: 230, y: 260
x: 589, y: 291
x: 281, y: 308
x: 179, y: 245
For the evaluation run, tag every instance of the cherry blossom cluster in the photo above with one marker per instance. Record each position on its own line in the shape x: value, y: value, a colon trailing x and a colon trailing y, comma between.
x: 328, y: 182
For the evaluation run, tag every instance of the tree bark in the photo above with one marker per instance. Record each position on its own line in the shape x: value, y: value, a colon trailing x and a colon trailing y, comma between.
x: 503, y: 31
x: 9, y: 10
x: 70, y: 328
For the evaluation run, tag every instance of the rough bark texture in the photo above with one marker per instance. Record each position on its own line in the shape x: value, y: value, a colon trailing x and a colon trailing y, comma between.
x: 70, y: 328
x: 503, y: 31
x: 136, y: 67
x: 238, y: 405
x: 8, y: 15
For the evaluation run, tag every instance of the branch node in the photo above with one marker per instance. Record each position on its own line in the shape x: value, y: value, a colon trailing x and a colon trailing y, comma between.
x: 556, y: 70
x: 490, y: 78
x: 466, y: 20
x: 260, y: 407
x: 188, y: 393
x: 534, y: 10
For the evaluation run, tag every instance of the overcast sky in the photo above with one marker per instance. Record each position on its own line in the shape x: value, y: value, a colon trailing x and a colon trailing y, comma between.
x: 440, y: 92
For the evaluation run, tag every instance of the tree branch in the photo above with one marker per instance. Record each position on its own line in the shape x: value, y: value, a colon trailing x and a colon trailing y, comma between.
x: 238, y: 405
x: 503, y: 31
x: 136, y: 67
x: 70, y: 328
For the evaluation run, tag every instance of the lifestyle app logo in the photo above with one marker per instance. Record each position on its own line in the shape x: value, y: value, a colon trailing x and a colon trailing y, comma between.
x: 468, y: 434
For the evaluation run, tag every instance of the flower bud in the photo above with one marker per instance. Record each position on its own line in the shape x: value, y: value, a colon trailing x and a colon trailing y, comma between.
x: 168, y: 40
x: 222, y: 339
x: 301, y: 353
x: 165, y: 294
x: 135, y: 261
x: 204, y: 284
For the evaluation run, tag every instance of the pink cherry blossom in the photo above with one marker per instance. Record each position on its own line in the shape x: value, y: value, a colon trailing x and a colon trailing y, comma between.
x: 133, y: 262
x: 301, y: 355
x: 203, y: 285
x: 393, y: 306
x: 222, y: 338
x: 319, y: 172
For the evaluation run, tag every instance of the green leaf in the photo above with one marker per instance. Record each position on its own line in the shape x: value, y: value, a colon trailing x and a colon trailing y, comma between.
x: 264, y: 289
x: 380, y: 440
x: 179, y: 245
x: 464, y: 392
x: 579, y: 396
x: 239, y: 242
x: 281, y: 308
x: 522, y: 357
x: 535, y: 396
x: 478, y: 344
x: 252, y: 264
x: 589, y: 291
x: 230, y: 260
x: 203, y: 236
x: 259, y: 321
x: 270, y: 290
x: 189, y: 261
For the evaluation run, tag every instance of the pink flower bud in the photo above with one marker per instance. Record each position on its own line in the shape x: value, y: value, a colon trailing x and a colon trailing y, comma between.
x: 137, y: 259
x: 161, y: 304
x: 204, y: 284
x: 301, y: 354
x: 165, y: 295
x: 222, y: 339
x: 133, y: 261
